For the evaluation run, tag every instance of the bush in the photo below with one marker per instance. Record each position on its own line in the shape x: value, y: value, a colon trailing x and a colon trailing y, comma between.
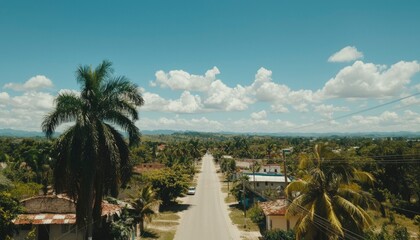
x: 417, y: 219
x: 401, y: 233
x: 257, y: 215
x: 277, y: 234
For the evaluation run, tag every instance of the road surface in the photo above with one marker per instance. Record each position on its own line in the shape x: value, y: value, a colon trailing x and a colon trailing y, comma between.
x: 207, y: 217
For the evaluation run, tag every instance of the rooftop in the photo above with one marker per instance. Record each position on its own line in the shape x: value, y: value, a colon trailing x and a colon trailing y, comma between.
x: 267, y: 177
x: 277, y: 207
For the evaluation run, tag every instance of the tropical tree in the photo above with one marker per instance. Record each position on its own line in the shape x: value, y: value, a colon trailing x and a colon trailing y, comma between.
x: 328, y: 201
x: 144, y: 204
x: 169, y: 183
x: 92, y: 157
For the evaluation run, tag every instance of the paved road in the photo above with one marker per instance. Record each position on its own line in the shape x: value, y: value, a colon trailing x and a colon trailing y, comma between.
x: 207, y: 217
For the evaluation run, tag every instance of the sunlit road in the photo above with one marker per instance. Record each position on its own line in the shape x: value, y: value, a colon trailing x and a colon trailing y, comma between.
x: 207, y: 217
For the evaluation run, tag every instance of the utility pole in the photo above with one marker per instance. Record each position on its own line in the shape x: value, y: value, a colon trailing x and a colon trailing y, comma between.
x: 286, y: 182
x: 243, y: 200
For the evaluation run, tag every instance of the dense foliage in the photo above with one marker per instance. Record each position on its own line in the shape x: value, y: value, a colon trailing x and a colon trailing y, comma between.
x: 9, y: 208
x: 168, y: 183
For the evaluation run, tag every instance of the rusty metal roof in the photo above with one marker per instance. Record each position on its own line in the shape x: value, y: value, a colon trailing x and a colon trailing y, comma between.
x: 38, y: 219
x: 35, y: 218
x: 277, y: 207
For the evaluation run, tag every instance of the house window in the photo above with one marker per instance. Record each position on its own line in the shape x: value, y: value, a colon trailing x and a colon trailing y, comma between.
x: 258, y: 184
x: 271, y: 224
x: 265, y: 170
x: 275, y: 170
x: 266, y: 183
x: 271, y: 184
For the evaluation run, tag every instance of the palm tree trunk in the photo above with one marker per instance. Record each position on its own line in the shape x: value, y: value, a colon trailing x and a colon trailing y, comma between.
x: 141, y: 224
x: 89, y: 227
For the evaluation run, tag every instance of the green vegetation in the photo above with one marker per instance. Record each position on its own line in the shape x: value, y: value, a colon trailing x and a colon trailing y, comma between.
x: 145, y: 205
x: 9, y: 208
x: 278, y: 234
x: 169, y: 183
x: 393, y: 163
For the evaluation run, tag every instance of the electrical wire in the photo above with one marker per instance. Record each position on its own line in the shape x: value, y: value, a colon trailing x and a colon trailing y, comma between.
x: 323, y: 222
x: 357, y: 112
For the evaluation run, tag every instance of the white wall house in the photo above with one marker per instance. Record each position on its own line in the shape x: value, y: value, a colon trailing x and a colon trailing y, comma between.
x: 264, y: 181
x: 270, y: 168
x: 275, y: 215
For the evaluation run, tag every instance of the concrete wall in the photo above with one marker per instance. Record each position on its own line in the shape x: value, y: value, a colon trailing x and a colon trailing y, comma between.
x: 280, y: 222
x: 49, y: 205
x: 56, y: 232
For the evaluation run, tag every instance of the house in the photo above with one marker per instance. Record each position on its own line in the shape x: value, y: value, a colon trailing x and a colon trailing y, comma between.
x: 270, y: 168
x: 54, y: 217
x: 267, y: 181
x: 275, y: 215
x: 145, y: 167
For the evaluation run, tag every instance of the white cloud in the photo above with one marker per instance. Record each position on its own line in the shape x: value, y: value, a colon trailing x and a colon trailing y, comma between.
x: 187, y: 103
x: 347, y: 54
x: 367, y: 80
x: 259, y: 115
x: 181, y: 124
x: 4, y: 96
x: 222, y: 97
x: 279, y: 108
x: 181, y: 80
x: 153, y: 102
x: 34, y: 83
x: 327, y: 111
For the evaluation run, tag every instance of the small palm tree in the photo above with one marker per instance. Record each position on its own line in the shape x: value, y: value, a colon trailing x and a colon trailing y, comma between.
x: 329, y: 202
x: 145, y: 204
x: 92, y: 157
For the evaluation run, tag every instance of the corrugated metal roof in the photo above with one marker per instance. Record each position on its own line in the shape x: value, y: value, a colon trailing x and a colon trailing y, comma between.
x: 267, y: 178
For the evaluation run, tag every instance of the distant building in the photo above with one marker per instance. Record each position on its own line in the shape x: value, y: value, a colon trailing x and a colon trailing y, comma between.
x: 145, y: 167
x: 266, y: 181
x: 270, y: 168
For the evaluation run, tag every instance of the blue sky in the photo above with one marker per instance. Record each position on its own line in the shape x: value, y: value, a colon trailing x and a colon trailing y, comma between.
x: 245, y: 66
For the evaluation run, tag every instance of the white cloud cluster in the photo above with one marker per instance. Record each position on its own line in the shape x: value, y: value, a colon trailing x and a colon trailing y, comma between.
x: 34, y: 83
x: 181, y: 124
x: 367, y: 80
x: 347, y: 54
x: 327, y: 111
x: 259, y: 115
x: 181, y: 80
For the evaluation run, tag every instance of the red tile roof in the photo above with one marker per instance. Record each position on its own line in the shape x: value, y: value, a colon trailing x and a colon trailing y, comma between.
x: 277, y: 207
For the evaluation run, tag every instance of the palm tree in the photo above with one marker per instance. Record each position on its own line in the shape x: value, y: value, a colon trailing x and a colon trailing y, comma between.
x: 144, y: 205
x: 92, y: 158
x: 329, y: 202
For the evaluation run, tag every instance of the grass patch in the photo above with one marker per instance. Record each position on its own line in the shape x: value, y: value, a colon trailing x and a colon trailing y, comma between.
x: 237, y: 216
x: 155, y: 234
x: 379, y: 221
x: 158, y: 223
x: 168, y: 216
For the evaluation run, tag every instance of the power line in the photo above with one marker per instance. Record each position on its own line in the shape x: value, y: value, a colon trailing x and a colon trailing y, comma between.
x: 324, y: 223
x: 358, y: 112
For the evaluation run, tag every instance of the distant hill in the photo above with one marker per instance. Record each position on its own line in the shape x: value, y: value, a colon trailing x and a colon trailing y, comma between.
x: 22, y: 133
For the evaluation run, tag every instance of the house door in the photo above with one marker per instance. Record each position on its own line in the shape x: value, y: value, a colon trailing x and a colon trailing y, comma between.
x: 44, y: 232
